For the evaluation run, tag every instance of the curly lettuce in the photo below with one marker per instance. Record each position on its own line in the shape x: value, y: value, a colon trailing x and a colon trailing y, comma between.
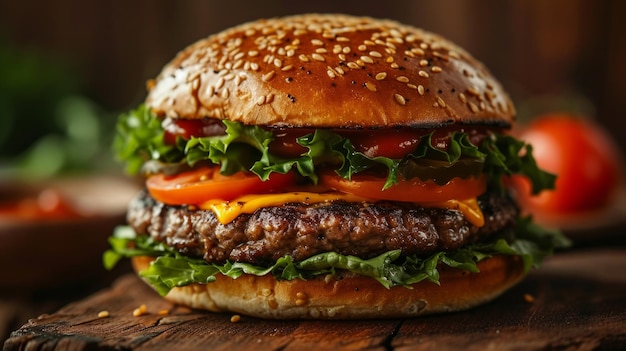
x: 171, y: 269
x: 140, y: 138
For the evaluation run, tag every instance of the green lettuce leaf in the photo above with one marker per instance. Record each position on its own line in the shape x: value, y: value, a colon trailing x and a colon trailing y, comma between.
x: 170, y: 269
x: 139, y: 138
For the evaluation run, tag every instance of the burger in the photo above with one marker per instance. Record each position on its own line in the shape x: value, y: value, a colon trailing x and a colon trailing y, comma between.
x: 327, y: 166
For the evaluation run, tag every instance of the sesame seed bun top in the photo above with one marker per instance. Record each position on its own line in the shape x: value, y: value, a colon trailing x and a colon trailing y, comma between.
x: 329, y: 71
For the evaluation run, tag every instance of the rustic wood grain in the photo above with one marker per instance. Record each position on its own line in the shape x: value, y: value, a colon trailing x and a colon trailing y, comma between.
x: 577, y: 301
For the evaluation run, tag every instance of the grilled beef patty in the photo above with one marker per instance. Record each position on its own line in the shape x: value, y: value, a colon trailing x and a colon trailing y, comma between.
x: 301, y: 231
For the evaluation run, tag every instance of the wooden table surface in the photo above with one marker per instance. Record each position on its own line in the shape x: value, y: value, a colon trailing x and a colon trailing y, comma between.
x: 576, y: 301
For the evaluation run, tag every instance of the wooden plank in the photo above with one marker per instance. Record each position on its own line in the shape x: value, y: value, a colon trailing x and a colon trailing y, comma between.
x: 578, y: 303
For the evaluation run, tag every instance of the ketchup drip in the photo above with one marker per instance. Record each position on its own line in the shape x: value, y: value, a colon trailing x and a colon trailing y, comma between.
x: 187, y: 128
x: 390, y: 142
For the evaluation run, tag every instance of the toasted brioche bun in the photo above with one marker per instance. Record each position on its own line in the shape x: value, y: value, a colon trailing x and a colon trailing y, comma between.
x: 329, y: 71
x: 348, y: 296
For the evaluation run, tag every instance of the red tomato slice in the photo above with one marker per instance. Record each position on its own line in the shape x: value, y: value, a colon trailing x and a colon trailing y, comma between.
x: 206, y: 183
x: 413, y: 190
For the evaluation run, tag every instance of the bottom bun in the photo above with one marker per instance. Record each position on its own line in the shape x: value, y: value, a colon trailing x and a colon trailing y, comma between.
x: 348, y: 296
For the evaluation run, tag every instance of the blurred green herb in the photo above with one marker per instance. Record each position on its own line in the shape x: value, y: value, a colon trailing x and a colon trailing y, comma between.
x: 47, y: 124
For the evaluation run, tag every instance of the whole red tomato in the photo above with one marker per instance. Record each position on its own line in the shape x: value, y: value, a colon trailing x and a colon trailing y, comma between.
x: 583, y: 157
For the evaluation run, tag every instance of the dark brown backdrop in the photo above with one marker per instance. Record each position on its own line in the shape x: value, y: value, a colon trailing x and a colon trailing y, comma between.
x: 575, y: 48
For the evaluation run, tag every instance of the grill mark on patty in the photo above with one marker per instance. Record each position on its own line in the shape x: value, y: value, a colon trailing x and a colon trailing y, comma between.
x: 301, y: 231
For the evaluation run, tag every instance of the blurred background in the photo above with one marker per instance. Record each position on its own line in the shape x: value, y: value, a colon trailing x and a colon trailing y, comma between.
x: 69, y: 67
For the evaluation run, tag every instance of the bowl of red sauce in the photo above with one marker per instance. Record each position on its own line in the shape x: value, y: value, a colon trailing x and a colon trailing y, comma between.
x: 53, y: 232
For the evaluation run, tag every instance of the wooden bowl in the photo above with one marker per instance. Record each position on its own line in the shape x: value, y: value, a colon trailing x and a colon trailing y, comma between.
x: 46, y: 250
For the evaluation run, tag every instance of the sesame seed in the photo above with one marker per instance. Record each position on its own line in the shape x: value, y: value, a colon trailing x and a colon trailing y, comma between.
x: 394, y: 65
x: 370, y: 86
x: 317, y: 42
x: 236, y: 318
x: 375, y: 54
x: 229, y: 76
x: 268, y: 76
x: 399, y: 99
x: 210, y: 90
x: 331, y: 73
x: 412, y: 86
x: 140, y: 311
x: 418, y: 51
x: 225, y: 93
x: 336, y: 49
x: 286, y: 68
x: 321, y: 51
x: 482, y: 106
x: 473, y: 107
x: 352, y: 65
x: 436, y: 69
x: 300, y: 302
x: 462, y: 97
x: 346, y: 50
x: 220, y: 83
x: 389, y: 59
x: 238, y: 64
x: 529, y: 298
x: 441, y: 102
x: 390, y: 51
x: 424, y: 46
x: 269, y: 98
x: 453, y: 54
x: 260, y: 100
x: 367, y: 59
x: 318, y: 57
x: 254, y: 66
x: 423, y: 63
x: 402, y: 79
x: 290, y: 52
x: 473, y: 91
x: 339, y: 70
x: 342, y: 39
x: 423, y: 74
x: 303, y: 58
x: 103, y: 314
x: 278, y: 63
x: 381, y: 75
x: 362, y: 47
x: 441, y: 56
x: 420, y: 89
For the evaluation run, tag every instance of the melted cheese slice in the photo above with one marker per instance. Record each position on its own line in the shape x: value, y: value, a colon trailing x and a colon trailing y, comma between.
x: 226, y: 212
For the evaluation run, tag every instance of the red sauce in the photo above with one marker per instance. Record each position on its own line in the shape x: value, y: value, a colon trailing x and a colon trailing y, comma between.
x: 187, y: 128
x: 390, y: 142
x: 48, y: 204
